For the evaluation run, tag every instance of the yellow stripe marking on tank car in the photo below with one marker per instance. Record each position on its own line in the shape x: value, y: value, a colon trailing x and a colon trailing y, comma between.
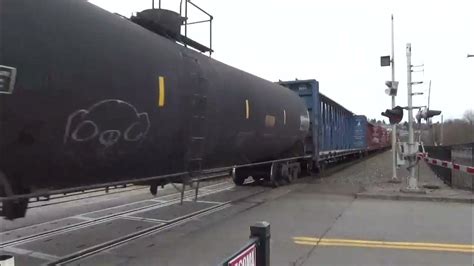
x: 247, y: 109
x: 284, y: 117
x: 161, y: 91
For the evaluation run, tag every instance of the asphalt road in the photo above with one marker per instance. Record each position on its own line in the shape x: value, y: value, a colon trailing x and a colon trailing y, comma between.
x: 301, y: 211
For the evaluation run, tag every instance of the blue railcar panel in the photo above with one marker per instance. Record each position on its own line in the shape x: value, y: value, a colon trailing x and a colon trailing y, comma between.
x: 336, y: 129
x: 360, y: 132
x: 333, y: 127
x: 308, y: 90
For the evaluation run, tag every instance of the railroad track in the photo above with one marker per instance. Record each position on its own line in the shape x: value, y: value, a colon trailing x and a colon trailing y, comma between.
x: 162, y: 201
x: 55, y: 199
x: 145, y: 232
x: 94, y: 221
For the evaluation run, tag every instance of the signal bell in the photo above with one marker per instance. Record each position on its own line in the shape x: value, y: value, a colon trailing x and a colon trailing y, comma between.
x: 394, y: 115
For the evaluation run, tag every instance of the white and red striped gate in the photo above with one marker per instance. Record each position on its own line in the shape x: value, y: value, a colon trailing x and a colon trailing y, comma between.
x: 446, y: 164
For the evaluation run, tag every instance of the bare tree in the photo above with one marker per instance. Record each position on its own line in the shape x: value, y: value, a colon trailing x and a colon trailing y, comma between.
x: 469, y: 116
x: 456, y: 131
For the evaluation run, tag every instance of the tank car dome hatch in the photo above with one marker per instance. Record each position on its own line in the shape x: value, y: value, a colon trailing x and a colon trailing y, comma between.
x: 168, y: 24
x: 162, y: 21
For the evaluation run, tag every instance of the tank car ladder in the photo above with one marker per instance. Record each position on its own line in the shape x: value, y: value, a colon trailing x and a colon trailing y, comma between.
x: 196, y: 145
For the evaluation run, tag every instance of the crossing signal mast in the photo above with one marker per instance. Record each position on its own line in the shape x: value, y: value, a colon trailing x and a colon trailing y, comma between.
x: 424, y: 113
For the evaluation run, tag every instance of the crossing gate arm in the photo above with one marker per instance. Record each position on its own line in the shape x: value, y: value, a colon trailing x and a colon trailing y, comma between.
x: 445, y: 164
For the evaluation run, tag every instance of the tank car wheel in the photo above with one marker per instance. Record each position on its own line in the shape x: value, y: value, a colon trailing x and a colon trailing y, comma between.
x: 322, y: 169
x: 275, y: 183
x: 153, y: 189
x: 238, y: 177
x: 293, y: 175
x: 275, y: 175
x: 13, y: 209
x: 309, y: 168
x: 238, y: 181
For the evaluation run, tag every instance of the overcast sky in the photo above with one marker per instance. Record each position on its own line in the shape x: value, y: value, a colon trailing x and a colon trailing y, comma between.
x: 339, y: 43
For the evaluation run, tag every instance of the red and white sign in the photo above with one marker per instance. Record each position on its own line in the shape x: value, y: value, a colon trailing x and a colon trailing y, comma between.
x: 246, y: 257
x: 446, y: 164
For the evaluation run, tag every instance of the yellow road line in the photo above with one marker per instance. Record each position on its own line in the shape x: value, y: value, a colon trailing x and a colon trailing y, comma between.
x: 384, y: 244
x: 338, y: 240
x: 161, y: 91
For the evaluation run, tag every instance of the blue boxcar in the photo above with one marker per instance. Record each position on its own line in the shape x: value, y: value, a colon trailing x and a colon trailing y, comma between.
x: 308, y: 90
x: 337, y: 126
x: 360, y: 132
x: 334, y: 129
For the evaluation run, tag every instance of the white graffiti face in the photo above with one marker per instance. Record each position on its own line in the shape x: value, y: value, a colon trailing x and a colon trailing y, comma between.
x: 108, y: 122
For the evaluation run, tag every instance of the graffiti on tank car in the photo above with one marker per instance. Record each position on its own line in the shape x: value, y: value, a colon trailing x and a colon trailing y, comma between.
x: 107, y: 122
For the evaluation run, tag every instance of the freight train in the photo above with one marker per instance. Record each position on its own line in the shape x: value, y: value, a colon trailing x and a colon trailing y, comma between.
x: 88, y: 97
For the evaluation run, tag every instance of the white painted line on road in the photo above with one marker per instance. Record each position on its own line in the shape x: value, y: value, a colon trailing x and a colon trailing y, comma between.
x: 82, y: 218
x: 155, y: 200
x: 159, y: 201
x: 205, y: 201
x: 140, y: 219
x: 120, y: 206
x: 34, y: 254
x: 175, y: 202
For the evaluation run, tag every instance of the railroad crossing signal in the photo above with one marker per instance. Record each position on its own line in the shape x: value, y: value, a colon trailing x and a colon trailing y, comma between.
x: 426, y: 114
x: 394, y: 115
x: 392, y: 87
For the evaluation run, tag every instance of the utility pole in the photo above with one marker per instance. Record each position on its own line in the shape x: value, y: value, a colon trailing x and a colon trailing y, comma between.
x: 441, y: 132
x: 394, y: 127
x: 393, y: 115
x: 412, y: 148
